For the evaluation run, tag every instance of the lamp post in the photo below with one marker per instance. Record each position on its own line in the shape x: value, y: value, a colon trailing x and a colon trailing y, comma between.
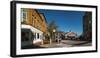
x: 49, y: 38
x: 54, y: 33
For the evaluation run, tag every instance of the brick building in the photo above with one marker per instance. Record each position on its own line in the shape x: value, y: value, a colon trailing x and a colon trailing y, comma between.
x: 36, y: 23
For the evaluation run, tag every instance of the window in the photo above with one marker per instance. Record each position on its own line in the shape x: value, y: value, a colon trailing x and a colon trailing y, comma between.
x: 33, y: 20
x: 39, y: 26
x: 23, y: 15
x: 25, y: 36
x: 34, y: 35
x: 38, y: 35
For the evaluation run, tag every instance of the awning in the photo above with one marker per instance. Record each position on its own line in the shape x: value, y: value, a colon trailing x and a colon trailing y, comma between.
x: 31, y: 28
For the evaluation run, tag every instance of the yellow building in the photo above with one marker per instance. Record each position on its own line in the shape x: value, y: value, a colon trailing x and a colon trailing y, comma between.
x: 33, y: 20
x: 44, y: 25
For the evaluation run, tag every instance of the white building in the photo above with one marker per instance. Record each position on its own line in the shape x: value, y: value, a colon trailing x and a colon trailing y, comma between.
x: 38, y: 35
x: 70, y: 35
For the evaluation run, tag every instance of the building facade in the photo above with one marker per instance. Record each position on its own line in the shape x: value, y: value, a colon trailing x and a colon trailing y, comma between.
x: 34, y: 21
x: 70, y: 35
x: 87, y: 26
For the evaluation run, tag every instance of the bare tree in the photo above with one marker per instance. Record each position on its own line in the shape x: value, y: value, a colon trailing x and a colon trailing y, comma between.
x: 52, y: 26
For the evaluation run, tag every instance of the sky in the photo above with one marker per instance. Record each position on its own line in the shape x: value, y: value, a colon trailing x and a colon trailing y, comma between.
x: 65, y: 20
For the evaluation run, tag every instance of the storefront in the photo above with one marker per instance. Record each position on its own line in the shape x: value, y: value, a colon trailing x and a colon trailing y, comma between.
x: 31, y: 34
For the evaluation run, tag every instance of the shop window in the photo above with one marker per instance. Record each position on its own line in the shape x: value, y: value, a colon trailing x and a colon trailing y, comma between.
x: 25, y: 36
x: 37, y: 35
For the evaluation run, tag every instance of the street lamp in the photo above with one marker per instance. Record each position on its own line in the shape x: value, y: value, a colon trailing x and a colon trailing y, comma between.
x: 54, y: 32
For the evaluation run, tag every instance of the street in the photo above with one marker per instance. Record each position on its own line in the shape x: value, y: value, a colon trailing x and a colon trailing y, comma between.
x: 67, y: 43
x: 61, y: 44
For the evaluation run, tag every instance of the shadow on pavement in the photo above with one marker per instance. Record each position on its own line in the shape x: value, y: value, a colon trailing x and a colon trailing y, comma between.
x: 31, y: 47
x: 81, y: 43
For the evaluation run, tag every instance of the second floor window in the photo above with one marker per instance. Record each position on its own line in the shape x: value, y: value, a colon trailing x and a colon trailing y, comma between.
x: 23, y: 14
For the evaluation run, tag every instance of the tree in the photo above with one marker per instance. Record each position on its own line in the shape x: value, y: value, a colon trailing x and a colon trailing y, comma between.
x: 51, y: 27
